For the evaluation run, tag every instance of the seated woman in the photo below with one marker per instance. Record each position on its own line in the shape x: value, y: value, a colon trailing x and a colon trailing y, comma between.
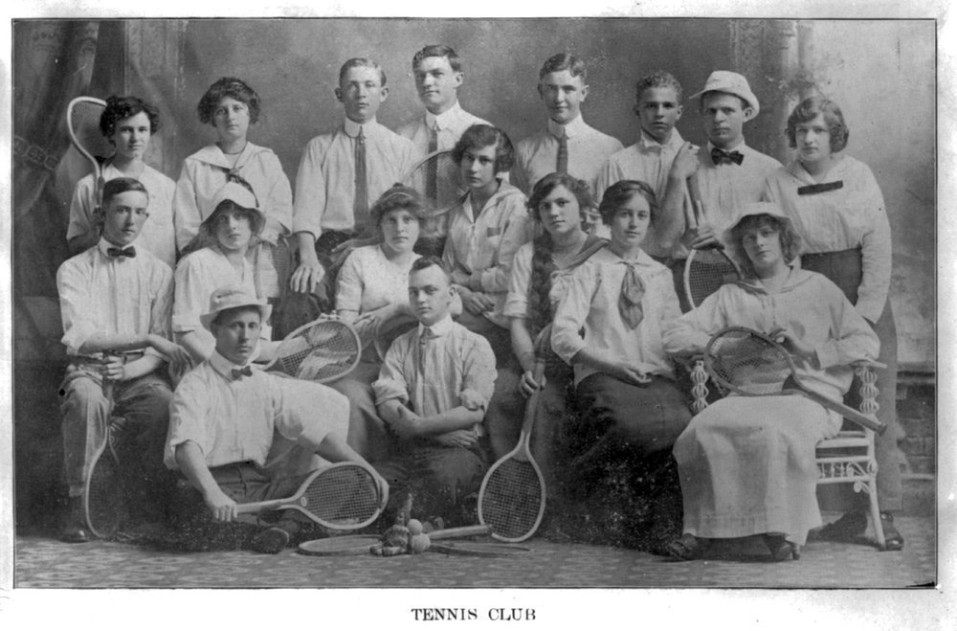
x: 557, y: 204
x: 484, y: 232
x: 609, y: 326
x: 230, y: 105
x: 226, y: 235
x: 747, y: 464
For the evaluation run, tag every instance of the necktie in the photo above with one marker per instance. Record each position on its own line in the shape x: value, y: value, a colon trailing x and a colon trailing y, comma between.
x: 360, y: 206
x: 120, y: 253
x: 629, y: 302
x: 245, y: 371
x: 562, y: 165
x: 720, y: 155
x: 432, y: 173
x: 426, y: 335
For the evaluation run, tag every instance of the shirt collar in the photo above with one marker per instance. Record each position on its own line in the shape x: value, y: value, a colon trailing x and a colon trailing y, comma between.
x: 223, y: 366
x: 440, y: 328
x: 352, y: 128
x: 572, y: 128
x: 104, y: 246
x: 212, y: 154
x: 443, y: 120
x: 646, y: 142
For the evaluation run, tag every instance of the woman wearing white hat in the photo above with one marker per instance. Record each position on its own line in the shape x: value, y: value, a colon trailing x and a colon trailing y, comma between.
x: 747, y: 464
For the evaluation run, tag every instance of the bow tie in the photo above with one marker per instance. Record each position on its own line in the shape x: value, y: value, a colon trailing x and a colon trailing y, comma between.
x: 720, y: 155
x: 245, y: 371
x: 119, y: 252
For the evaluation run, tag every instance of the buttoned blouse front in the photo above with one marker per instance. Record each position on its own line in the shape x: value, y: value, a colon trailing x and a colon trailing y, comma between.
x: 852, y: 216
x: 105, y: 295
x: 590, y: 305
x: 325, y: 183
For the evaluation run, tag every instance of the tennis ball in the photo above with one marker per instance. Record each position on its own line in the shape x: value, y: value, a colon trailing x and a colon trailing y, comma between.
x: 414, y: 526
x: 419, y: 543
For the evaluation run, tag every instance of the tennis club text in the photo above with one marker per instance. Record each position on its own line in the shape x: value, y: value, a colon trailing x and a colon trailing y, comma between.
x: 495, y: 614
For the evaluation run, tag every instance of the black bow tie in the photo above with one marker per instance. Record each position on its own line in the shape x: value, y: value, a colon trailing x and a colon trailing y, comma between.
x: 119, y: 252
x: 245, y: 371
x: 720, y: 155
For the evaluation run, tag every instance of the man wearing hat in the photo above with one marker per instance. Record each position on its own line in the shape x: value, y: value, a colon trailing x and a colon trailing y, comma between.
x: 222, y: 422
x: 730, y: 173
x: 226, y: 236
x: 115, y: 304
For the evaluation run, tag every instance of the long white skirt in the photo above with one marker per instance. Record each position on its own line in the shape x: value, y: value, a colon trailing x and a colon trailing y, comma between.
x: 747, y: 467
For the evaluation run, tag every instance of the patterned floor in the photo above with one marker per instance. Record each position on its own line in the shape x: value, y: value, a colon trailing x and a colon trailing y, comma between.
x: 43, y: 562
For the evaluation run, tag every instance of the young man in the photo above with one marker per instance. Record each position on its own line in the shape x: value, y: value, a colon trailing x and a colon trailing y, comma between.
x: 115, y: 301
x: 342, y: 173
x: 658, y: 108
x: 568, y: 144
x: 224, y: 415
x: 432, y: 392
x: 730, y: 174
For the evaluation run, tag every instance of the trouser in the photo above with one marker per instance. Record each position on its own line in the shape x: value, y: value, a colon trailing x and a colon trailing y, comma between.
x: 143, y: 405
x: 845, y: 270
x: 498, y: 337
x: 367, y: 432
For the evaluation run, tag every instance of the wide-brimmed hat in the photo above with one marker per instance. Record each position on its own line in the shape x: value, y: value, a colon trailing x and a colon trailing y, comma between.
x: 231, y: 297
x: 731, y: 83
x: 240, y: 196
x: 757, y: 208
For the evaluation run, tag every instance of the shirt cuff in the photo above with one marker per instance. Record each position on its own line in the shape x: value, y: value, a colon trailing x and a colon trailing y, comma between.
x: 388, y: 389
x: 476, y: 396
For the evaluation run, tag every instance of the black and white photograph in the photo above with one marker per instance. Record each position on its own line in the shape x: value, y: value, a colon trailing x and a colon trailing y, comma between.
x: 532, y: 318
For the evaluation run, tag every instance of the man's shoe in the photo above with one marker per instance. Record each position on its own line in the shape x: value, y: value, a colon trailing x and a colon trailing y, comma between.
x: 893, y: 539
x: 849, y: 527
x: 75, y: 529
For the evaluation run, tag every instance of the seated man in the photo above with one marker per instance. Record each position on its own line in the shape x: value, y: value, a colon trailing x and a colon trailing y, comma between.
x: 115, y: 301
x: 432, y: 392
x: 222, y: 419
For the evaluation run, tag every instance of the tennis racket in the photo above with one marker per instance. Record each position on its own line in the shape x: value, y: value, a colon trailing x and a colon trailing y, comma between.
x: 322, y: 350
x: 360, y: 544
x: 478, y: 549
x: 752, y: 364
x: 342, y: 496
x: 706, y: 269
x: 103, y: 495
x: 436, y: 178
x: 512, y: 496
x: 83, y: 125
x: 388, y: 330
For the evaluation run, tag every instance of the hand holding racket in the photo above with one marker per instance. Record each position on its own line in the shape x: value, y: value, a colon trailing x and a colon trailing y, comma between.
x: 708, y: 266
x: 512, y: 496
x: 342, y: 496
x: 752, y: 364
x: 322, y: 350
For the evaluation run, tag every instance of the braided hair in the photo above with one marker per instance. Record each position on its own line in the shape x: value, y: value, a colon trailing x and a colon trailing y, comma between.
x: 543, y: 266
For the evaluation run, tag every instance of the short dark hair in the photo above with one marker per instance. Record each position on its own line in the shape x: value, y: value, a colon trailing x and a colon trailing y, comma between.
x: 399, y: 197
x: 658, y: 79
x: 121, y: 185
x: 228, y: 87
x: 808, y: 109
x: 438, y: 50
x: 620, y: 193
x: 425, y: 262
x: 544, y: 187
x: 361, y: 62
x: 481, y: 136
x: 790, y: 239
x: 563, y: 61
x: 120, y: 107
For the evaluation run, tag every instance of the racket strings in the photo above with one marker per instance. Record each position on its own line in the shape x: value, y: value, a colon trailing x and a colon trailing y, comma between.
x: 103, y: 501
x: 322, y: 352
x: 748, y: 363
x: 707, y: 272
x: 343, y: 496
x: 512, y: 499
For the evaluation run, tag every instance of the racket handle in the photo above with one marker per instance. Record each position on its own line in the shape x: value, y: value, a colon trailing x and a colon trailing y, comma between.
x: 849, y: 413
x: 694, y: 190
x: 463, y: 531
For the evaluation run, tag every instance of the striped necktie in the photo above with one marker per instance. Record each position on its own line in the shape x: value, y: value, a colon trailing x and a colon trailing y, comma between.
x: 432, y: 173
x: 629, y: 302
x: 360, y: 207
x: 562, y: 165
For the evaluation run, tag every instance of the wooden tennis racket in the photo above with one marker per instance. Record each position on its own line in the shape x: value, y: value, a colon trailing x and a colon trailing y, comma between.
x: 436, y: 178
x: 478, y: 549
x: 512, y: 497
x: 83, y: 125
x: 103, y: 496
x: 322, y: 350
x: 351, y: 545
x: 750, y: 363
x: 342, y: 496
x: 706, y: 269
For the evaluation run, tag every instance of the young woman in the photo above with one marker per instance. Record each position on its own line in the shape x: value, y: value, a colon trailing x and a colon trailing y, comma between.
x: 558, y: 205
x: 129, y: 124
x: 231, y: 106
x: 484, y: 232
x: 226, y: 235
x: 747, y: 464
x: 609, y: 327
x: 837, y: 208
